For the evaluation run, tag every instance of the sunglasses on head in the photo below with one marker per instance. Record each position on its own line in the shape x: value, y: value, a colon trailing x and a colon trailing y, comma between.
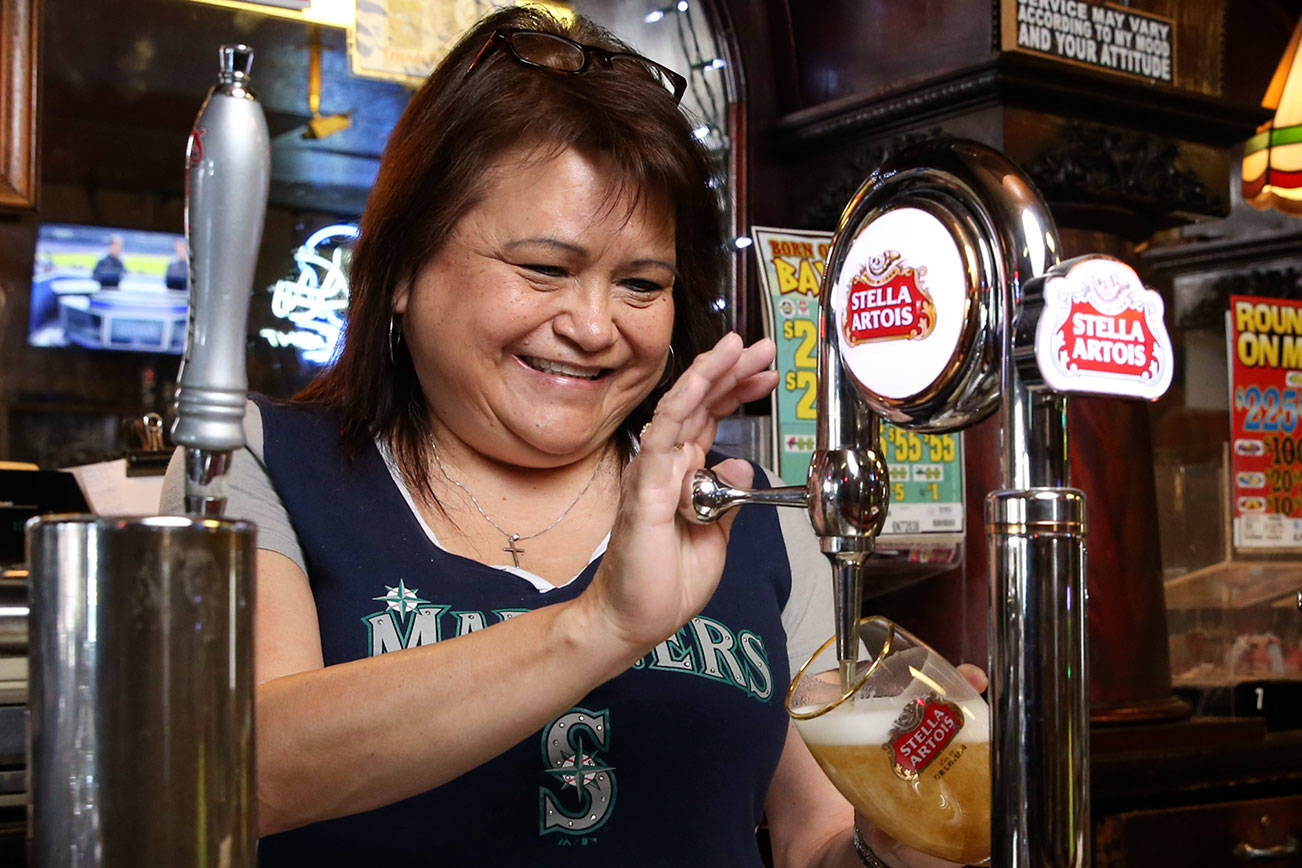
x: 559, y: 54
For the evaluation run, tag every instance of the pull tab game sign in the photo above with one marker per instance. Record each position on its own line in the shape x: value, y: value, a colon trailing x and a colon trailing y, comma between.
x: 1102, y: 332
x: 791, y: 273
x: 1265, y: 346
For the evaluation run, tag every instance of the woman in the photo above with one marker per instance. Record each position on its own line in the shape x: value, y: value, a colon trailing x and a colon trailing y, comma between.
x: 485, y: 634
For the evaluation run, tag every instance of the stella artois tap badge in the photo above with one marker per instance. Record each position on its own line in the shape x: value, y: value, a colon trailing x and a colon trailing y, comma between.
x: 887, y: 301
x: 900, y: 299
x: 1102, y: 331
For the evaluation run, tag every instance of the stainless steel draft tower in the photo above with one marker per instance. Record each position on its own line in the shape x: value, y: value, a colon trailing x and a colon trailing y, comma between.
x: 982, y: 245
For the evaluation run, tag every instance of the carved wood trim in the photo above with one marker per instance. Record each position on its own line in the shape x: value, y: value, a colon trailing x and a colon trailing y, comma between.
x: 1260, y: 266
x: 823, y: 213
x: 1209, y: 313
x: 1223, y: 253
x: 19, y: 29
x: 1135, y: 170
x: 1025, y: 81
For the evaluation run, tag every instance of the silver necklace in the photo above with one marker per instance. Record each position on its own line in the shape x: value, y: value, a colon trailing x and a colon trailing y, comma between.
x: 513, y: 538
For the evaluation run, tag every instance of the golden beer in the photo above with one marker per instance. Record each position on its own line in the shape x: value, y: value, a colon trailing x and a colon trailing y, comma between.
x: 905, y: 738
x: 941, y: 807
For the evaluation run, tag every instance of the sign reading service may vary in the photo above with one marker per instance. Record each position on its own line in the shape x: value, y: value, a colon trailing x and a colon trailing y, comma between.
x: 1099, y: 35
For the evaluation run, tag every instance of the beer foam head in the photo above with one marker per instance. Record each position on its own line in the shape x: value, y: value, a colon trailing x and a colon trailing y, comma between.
x: 869, y: 721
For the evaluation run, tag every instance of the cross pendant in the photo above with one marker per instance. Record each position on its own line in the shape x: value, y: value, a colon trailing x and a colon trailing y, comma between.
x: 513, y: 549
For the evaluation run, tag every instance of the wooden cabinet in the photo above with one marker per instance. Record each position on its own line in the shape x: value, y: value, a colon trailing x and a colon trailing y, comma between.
x: 1204, y: 792
x: 1254, y: 832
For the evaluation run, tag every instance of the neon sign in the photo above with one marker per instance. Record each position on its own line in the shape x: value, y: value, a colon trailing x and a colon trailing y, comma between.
x: 314, y: 302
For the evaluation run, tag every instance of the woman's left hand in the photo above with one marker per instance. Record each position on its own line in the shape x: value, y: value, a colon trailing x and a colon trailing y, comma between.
x: 659, y: 568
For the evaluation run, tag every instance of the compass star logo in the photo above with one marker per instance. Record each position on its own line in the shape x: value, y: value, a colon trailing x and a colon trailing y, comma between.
x: 401, y: 599
x: 583, y: 761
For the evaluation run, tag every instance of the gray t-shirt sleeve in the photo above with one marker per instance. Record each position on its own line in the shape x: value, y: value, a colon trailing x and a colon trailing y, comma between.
x: 808, y: 617
x: 249, y: 493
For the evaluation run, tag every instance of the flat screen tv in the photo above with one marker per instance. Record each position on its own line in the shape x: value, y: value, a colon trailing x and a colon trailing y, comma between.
x: 108, y: 289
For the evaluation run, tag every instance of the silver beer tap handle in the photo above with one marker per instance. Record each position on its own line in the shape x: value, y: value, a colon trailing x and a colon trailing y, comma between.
x: 712, y: 497
x: 228, y: 173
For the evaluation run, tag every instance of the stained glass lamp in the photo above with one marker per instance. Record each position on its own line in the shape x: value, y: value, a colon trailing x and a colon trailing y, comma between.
x: 1272, y: 159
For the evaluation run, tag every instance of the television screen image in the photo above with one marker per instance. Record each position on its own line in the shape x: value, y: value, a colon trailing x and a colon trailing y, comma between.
x: 109, y: 289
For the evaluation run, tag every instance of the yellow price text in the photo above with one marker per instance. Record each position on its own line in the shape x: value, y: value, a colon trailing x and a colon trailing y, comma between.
x: 806, y: 383
x: 909, y: 446
x: 807, y: 333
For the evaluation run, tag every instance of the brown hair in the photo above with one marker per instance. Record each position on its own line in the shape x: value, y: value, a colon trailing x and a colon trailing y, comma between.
x: 455, y: 128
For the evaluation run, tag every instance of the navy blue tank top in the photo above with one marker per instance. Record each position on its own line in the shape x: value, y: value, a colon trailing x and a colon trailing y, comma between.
x: 667, y: 764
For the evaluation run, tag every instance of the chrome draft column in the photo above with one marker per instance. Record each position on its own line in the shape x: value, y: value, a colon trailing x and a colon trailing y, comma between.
x: 141, y: 684
x: 943, y: 300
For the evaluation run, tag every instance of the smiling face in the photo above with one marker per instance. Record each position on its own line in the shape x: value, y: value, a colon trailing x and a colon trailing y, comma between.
x: 546, y: 317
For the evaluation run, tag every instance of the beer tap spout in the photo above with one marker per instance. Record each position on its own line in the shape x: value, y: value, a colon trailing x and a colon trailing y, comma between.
x: 847, y: 578
x: 205, y: 473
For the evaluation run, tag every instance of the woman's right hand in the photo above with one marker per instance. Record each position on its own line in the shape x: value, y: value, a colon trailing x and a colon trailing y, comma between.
x: 660, y: 568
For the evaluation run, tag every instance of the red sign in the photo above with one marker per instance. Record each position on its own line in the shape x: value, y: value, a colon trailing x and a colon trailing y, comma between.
x: 1102, y: 332
x: 886, y: 301
x: 1265, y: 337
x: 1105, y: 343
x: 921, y: 732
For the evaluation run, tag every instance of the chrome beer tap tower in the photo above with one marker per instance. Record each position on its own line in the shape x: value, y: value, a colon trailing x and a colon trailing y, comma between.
x: 944, y: 300
x: 140, y: 657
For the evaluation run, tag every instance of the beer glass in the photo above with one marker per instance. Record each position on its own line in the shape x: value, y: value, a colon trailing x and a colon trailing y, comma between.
x: 908, y: 743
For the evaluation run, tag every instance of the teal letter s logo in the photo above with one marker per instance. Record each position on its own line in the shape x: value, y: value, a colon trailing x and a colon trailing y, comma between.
x: 574, y: 764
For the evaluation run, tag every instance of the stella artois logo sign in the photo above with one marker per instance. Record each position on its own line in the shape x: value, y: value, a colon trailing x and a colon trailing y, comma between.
x: 887, y: 301
x: 921, y: 733
x: 900, y: 302
x: 1102, y: 331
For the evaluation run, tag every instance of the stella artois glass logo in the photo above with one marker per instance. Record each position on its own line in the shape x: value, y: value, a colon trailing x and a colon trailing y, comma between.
x: 921, y: 733
x: 887, y: 301
x: 1102, y: 331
